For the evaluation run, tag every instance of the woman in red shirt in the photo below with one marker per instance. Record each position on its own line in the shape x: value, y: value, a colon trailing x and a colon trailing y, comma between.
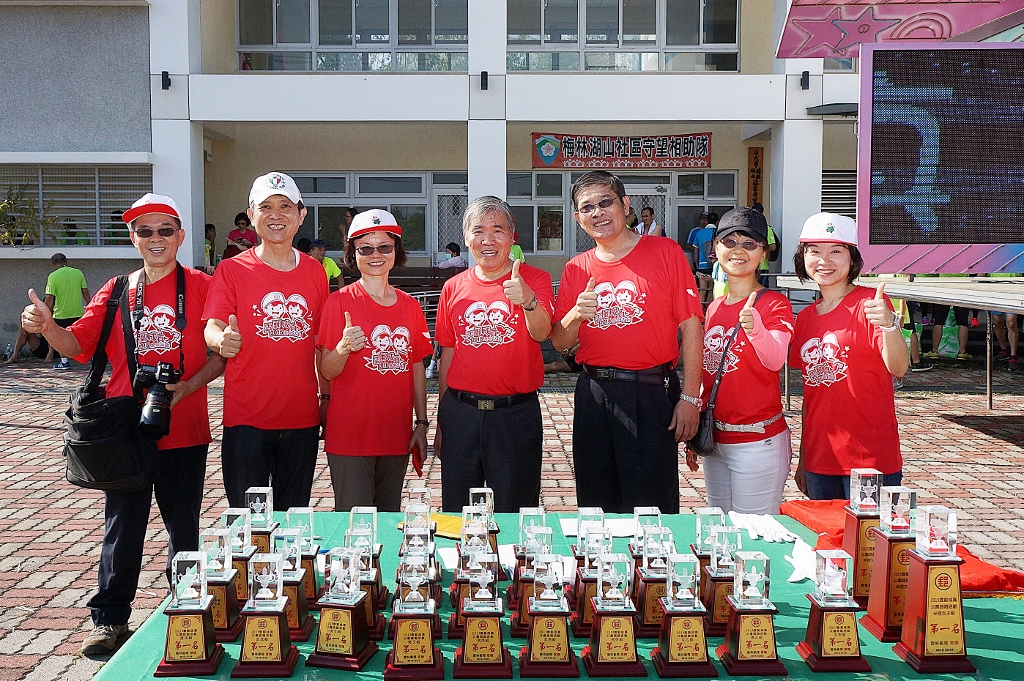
x: 375, y: 338
x: 848, y: 346
x: 752, y: 455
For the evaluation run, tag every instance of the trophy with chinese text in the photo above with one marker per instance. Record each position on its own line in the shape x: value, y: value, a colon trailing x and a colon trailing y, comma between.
x: 643, y: 517
x: 238, y: 521
x: 890, y: 567
x: 474, y: 548
x: 587, y: 518
x: 222, y: 580
x: 343, y: 641
x: 650, y: 578
x: 597, y: 542
x: 301, y: 518
x: 538, y: 542
x: 260, y: 501
x: 482, y: 654
x: 415, y: 626
x: 682, y: 650
x: 861, y: 523
x: 548, y: 653
x: 417, y: 539
x: 422, y: 495
x: 832, y: 642
x: 717, y: 582
x: 363, y: 520
x: 706, y: 518
x: 530, y: 517
x: 483, y: 497
x: 287, y: 543
x: 933, y: 639
x: 191, y: 648
x: 612, y: 649
x: 749, y: 647
x: 266, y: 649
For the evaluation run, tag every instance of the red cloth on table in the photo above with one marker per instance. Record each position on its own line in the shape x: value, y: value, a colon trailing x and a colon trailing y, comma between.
x: 977, y: 577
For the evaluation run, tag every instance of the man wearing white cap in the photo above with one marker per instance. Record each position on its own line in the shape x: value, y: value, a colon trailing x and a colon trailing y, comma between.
x: 161, y: 290
x: 263, y: 316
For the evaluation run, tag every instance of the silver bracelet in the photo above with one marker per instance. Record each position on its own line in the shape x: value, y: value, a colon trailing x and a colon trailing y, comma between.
x: 692, y: 400
x: 889, y: 329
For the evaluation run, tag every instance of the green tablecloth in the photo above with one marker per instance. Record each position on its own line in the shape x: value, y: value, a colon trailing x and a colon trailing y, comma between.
x: 995, y: 626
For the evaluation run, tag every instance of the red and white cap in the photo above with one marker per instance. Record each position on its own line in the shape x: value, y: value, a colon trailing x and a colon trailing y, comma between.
x: 271, y: 184
x: 829, y: 228
x: 373, y: 220
x: 149, y: 204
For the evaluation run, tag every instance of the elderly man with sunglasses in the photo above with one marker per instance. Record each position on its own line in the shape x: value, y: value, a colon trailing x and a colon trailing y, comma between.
x: 625, y: 301
x: 491, y: 320
x: 151, y: 294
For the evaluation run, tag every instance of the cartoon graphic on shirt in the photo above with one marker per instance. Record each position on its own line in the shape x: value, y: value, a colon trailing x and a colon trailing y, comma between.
x: 284, y: 317
x: 823, y: 360
x: 489, y: 325
x: 390, y: 353
x: 156, y: 331
x: 618, y: 305
x: 714, y: 342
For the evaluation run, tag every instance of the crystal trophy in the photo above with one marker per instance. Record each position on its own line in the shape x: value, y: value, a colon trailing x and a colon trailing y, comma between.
x: 898, y: 510
x: 345, y: 573
x: 237, y: 520
x: 682, y: 649
x: 482, y: 654
x: 530, y: 518
x: 415, y: 625
x: 649, y: 582
x: 588, y: 518
x: 538, y: 542
x: 548, y: 579
x: 484, y: 498
x: 413, y: 579
x: 267, y: 588
x: 859, y: 536
x: 343, y: 639
x: 749, y: 647
x: 287, y: 542
x: 548, y: 653
x: 706, y: 519
x: 362, y: 541
x: 614, y: 571
x: 422, y: 495
x: 260, y: 501
x: 865, y: 484
x: 266, y: 648
x: 612, y: 648
x: 474, y: 543
x: 936, y: 532
x: 681, y: 582
x: 832, y: 641
x: 416, y: 530
x: 215, y: 542
x: 222, y: 582
x: 643, y: 517
x: 596, y: 542
x: 301, y: 518
x: 725, y: 541
x: 362, y: 520
x: 190, y: 647
x: 750, y: 579
x: 717, y: 578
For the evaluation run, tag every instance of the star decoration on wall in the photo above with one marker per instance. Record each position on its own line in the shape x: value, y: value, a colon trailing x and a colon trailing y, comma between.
x: 821, y: 32
x: 863, y: 29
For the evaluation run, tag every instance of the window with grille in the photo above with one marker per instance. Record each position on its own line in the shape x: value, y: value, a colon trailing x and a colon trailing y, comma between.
x: 87, y: 201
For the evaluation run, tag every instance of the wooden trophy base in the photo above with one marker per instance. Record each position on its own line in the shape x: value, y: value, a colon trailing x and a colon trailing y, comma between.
x: 751, y: 626
x: 267, y: 670
x: 435, y: 626
x: 414, y: 672
x: 260, y: 536
x: 682, y: 651
x: 379, y: 629
x: 469, y: 670
x: 891, y: 567
x: 682, y: 670
x: 206, y: 667
x: 597, y: 669
x: 265, y: 636
x: 313, y: 590
x: 832, y: 642
x: 715, y: 592
x: 649, y: 591
x: 548, y: 653
x: 305, y: 631
x: 227, y: 624
x: 859, y: 541
x: 933, y: 665
x: 190, y: 648
x: 547, y: 670
x: 519, y: 621
x: 230, y: 634
x: 612, y: 649
x: 582, y: 619
x: 351, y: 663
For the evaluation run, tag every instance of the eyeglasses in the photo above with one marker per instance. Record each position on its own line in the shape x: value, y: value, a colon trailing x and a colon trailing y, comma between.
x: 383, y: 249
x: 146, y: 232
x: 588, y: 208
x: 745, y: 245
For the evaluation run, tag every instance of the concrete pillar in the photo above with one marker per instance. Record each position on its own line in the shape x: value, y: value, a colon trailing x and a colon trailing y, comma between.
x: 488, y: 36
x: 178, y: 173
x: 795, y: 181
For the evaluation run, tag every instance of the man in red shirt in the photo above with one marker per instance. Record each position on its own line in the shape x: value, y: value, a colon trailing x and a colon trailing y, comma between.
x: 491, y: 320
x: 625, y: 301
x: 159, y: 335
x: 263, y: 315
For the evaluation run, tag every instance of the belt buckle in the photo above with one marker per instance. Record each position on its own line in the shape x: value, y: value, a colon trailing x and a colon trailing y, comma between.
x: 485, y: 405
x: 604, y: 373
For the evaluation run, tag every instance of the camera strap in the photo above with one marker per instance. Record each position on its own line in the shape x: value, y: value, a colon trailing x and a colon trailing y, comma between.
x: 138, y: 312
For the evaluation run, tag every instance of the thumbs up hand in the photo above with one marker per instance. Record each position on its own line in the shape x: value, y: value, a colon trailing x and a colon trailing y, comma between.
x: 877, y: 311
x: 230, y: 339
x: 352, y: 338
x: 586, y: 302
x: 516, y: 290
x: 36, y: 318
x: 747, y: 313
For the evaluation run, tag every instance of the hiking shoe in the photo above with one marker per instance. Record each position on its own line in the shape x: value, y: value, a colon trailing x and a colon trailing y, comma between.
x: 930, y: 355
x: 897, y: 384
x: 1002, y: 356
x: 104, y: 638
x: 964, y: 356
x: 1013, y: 364
x: 921, y: 366
x: 63, y: 364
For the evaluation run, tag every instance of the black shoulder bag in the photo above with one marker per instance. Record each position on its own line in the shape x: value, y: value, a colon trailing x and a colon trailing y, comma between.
x: 102, y: 443
x: 703, y: 441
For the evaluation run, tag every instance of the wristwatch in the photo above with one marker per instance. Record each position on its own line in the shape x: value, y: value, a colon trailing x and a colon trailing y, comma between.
x: 695, y: 401
x: 532, y: 305
x: 895, y: 325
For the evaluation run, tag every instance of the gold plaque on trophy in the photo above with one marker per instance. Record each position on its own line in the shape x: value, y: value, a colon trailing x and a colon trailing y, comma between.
x: 185, y: 638
x: 550, y: 639
x: 413, y: 642
x: 839, y: 635
x: 617, y: 643
x: 944, y: 634
x: 262, y: 639
x: 720, y: 613
x: 482, y: 641
x: 335, y: 634
x: 756, y: 638
x: 652, y: 603
x: 686, y: 640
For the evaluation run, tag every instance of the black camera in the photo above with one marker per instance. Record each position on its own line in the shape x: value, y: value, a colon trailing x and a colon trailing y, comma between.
x: 155, y: 421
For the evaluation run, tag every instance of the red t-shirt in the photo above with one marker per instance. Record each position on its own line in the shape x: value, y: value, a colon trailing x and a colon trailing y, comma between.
x: 157, y: 340
x: 641, y: 301
x: 271, y: 384
x: 370, y: 412
x: 849, y: 409
x: 749, y: 392
x: 494, y: 353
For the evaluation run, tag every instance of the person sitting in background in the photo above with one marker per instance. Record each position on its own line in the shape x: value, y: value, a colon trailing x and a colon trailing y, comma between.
x: 453, y: 257
x: 243, y: 236
x: 37, y: 345
x: 318, y: 249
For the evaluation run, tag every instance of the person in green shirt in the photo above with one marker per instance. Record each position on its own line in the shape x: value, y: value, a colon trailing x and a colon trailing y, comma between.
x: 65, y: 294
x: 318, y: 249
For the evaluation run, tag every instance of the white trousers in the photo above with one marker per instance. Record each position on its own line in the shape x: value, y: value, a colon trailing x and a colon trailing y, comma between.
x: 749, y: 477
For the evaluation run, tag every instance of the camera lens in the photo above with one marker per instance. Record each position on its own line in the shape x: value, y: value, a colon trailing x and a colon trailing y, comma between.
x: 155, y: 421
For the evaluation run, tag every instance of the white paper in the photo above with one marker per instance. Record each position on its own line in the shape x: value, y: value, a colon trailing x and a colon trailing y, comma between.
x: 507, y: 556
x: 620, y: 527
x: 569, y: 527
x: 568, y: 569
x: 449, y: 557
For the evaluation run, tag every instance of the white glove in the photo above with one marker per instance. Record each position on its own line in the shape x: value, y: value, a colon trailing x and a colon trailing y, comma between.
x: 802, y: 561
x: 744, y: 521
x: 781, y: 533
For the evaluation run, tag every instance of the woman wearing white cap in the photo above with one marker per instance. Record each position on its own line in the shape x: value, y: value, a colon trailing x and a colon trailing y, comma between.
x: 378, y: 381
x: 750, y: 464
x: 848, y: 346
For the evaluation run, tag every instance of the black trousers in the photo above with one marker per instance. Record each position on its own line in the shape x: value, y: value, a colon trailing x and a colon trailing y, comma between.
x: 64, y: 323
x: 501, y: 449
x: 283, y: 459
x: 178, y: 485
x: 623, y: 453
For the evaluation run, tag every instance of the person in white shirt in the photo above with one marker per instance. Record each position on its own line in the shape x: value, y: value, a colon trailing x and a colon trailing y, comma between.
x: 647, y: 224
x: 452, y: 257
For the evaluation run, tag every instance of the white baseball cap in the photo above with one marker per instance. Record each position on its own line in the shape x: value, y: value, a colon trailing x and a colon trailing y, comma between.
x: 150, y: 204
x: 373, y: 220
x: 829, y: 228
x: 271, y: 184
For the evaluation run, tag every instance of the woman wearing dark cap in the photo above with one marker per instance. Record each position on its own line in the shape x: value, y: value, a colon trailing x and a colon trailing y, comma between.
x: 752, y: 454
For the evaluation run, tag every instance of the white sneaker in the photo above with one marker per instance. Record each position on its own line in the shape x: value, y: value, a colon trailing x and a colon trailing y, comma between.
x: 431, y: 370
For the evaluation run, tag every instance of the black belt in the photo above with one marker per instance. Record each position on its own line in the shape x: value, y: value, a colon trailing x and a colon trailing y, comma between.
x: 492, y: 402
x: 653, y: 376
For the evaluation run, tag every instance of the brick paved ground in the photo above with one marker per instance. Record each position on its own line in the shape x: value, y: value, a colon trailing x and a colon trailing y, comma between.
x: 957, y: 452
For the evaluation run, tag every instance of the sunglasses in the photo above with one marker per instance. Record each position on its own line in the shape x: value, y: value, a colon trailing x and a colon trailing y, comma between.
x: 383, y: 249
x: 146, y: 232
x: 588, y: 208
x: 731, y: 243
